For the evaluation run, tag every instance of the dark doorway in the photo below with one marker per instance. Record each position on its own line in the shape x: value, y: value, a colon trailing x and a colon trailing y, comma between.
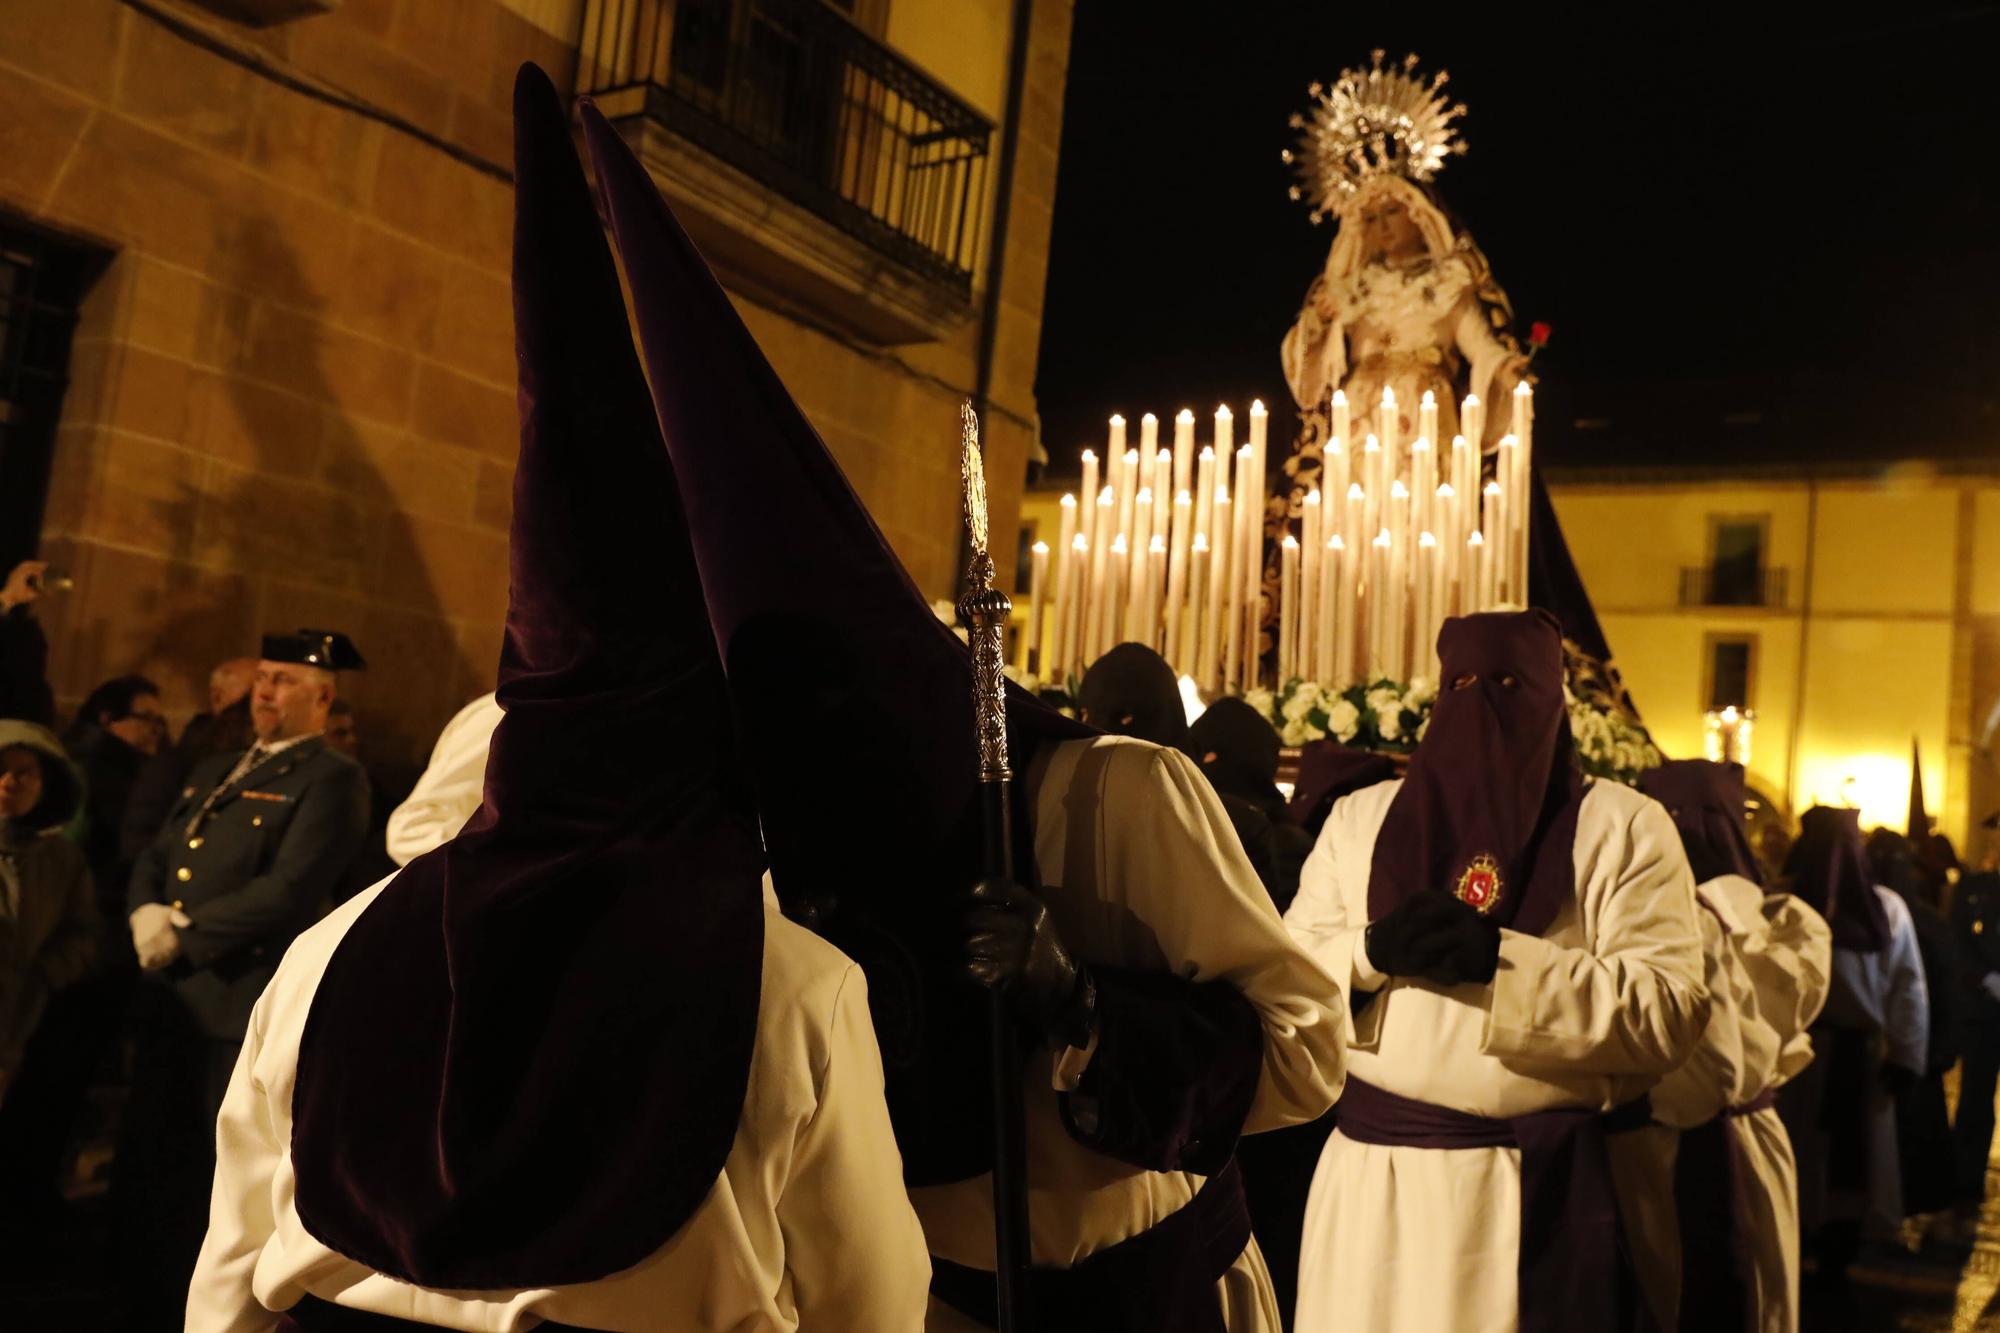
x: 43, y: 278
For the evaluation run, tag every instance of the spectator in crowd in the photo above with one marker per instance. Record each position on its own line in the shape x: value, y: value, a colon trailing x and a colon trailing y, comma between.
x: 48, y: 937
x: 117, y: 730
x: 1975, y: 921
x: 1238, y: 753
x: 248, y: 857
x: 223, y: 729
x: 24, y: 652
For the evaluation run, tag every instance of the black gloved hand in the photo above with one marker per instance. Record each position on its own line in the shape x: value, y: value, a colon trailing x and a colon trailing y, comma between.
x: 1436, y: 937
x: 1896, y: 1079
x: 1012, y: 945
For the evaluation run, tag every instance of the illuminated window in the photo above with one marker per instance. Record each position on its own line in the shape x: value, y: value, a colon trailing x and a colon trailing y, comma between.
x: 1731, y: 668
x: 1736, y: 562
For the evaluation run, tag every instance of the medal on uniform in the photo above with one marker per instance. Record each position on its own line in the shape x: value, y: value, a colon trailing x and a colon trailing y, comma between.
x: 1479, y: 887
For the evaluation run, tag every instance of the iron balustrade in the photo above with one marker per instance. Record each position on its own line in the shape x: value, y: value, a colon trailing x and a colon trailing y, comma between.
x: 1709, y: 585
x: 794, y: 95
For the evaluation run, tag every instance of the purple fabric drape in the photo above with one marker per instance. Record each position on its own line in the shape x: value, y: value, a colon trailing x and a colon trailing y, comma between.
x: 526, y: 1061
x: 1706, y: 801
x: 1488, y: 809
x: 1828, y: 867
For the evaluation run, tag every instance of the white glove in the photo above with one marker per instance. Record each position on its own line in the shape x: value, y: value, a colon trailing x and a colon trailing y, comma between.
x: 1990, y: 983
x: 154, y: 934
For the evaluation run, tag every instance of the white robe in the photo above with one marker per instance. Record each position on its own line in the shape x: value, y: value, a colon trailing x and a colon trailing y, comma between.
x: 1766, y: 967
x: 1141, y: 868
x: 807, y: 1226
x: 1590, y: 1014
x: 1885, y: 991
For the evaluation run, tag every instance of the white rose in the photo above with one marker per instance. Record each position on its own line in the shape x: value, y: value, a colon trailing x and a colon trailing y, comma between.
x: 1389, y: 722
x: 1300, y: 703
x: 1343, y: 719
x: 1422, y: 690
x: 1382, y: 697
x: 1294, y: 732
x: 1259, y: 699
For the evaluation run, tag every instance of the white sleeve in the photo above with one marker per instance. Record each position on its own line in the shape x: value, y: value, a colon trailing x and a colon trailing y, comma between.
x: 853, y: 1245
x: 241, y: 1220
x: 452, y: 785
x: 1190, y: 882
x: 1790, y: 963
x: 1906, y: 1007
x: 1712, y: 1079
x: 1632, y: 1001
x: 1317, y: 918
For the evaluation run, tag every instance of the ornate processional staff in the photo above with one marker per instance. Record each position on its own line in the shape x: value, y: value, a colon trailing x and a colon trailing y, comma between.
x: 986, y: 608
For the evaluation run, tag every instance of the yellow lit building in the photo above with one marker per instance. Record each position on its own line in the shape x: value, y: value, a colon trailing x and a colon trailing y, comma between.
x: 1852, y: 611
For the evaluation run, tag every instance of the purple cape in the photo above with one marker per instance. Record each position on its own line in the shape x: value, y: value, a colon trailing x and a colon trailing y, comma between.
x: 527, y: 1058
x: 854, y: 701
x: 1488, y: 809
x: 1706, y: 801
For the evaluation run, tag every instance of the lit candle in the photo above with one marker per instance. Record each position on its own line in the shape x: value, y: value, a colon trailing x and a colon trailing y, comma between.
x: 1103, y: 531
x: 1204, y: 494
x: 1162, y: 482
x: 1183, y: 450
x: 1354, y: 527
x: 1038, y: 577
x: 1493, y: 524
x: 1340, y: 559
x: 1232, y: 644
x: 1128, y: 492
x: 1149, y: 609
x: 1398, y: 519
x: 1423, y: 588
x: 1464, y: 480
x: 1069, y: 660
x: 1115, y: 448
x: 1312, y: 552
x: 1225, y: 432
x: 1177, y: 562
x: 1524, y: 410
x: 1326, y: 595
x: 1141, y: 542
x: 1506, y: 455
x: 1288, y: 608
x: 1472, y: 576
x: 1388, y: 426
x: 1219, y: 584
x: 1195, y: 626
x: 1341, y: 423
x: 1149, y: 438
x: 1451, y: 547
x: 1427, y: 416
x: 1335, y: 475
x: 1372, y: 483
x: 1260, y: 461
x: 1400, y: 548
x: 1117, y: 573
x: 1472, y: 422
x: 1379, y: 606
x: 1423, y: 480
x: 1065, y: 591
x: 1089, y: 488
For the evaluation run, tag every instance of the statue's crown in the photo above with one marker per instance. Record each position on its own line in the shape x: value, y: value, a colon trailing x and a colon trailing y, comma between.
x: 1371, y: 122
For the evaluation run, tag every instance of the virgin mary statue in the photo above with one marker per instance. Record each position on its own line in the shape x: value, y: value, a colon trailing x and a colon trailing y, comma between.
x: 1406, y: 300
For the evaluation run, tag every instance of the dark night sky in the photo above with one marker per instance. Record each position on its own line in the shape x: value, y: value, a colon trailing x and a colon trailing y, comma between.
x: 1800, y: 222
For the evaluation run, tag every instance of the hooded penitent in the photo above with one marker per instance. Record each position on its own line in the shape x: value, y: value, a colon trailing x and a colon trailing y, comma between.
x: 1828, y: 868
x: 1706, y: 801
x: 1488, y: 810
x: 1131, y: 691
x: 526, y: 1061
x: 855, y: 701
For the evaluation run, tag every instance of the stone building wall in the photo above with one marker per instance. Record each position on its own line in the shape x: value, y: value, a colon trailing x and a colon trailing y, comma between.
x: 292, y: 387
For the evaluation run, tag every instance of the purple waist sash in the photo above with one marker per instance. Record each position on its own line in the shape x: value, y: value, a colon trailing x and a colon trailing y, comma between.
x: 1711, y: 1201
x: 313, y: 1315
x: 1572, y: 1270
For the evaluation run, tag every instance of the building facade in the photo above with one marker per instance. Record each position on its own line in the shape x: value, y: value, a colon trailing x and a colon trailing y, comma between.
x: 256, y: 345
x: 1854, y: 612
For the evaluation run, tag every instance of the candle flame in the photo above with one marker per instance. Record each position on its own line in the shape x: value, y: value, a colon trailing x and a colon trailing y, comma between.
x: 1422, y: 442
x: 1492, y: 488
x: 1068, y: 501
x: 1382, y: 539
x: 1291, y: 542
x: 1222, y: 413
x: 1106, y: 497
x: 1089, y: 456
x: 1186, y: 417
x: 1336, y: 446
x: 1131, y: 458
x: 1430, y: 399
x: 1117, y: 420
x: 1388, y: 396
x: 1522, y: 390
x: 1181, y: 497
x: 1425, y: 539
x: 1372, y: 446
x: 1334, y: 543
x: 1040, y: 548
x: 1157, y: 546
x: 1201, y: 542
x: 1340, y: 398
x: 1472, y: 400
x: 1149, y: 418
x: 1222, y: 495
x: 1312, y: 496
x: 1445, y: 492
x: 1119, y: 546
x: 1509, y: 442
x: 1475, y: 539
x: 1257, y: 407
x: 1354, y: 492
x: 1208, y: 453
x: 1245, y: 454
x: 1145, y: 495
x: 1398, y: 491
x: 1458, y: 442
x: 1080, y: 543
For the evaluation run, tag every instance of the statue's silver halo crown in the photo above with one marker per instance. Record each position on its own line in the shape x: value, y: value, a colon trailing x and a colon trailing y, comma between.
x: 1371, y: 123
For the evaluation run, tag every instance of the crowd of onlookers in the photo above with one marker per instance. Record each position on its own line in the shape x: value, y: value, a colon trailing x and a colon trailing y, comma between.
x: 81, y: 1001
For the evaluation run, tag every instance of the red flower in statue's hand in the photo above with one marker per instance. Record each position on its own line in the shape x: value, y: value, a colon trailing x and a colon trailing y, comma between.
x: 1538, y: 334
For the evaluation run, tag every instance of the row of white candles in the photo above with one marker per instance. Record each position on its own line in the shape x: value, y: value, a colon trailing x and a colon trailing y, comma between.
x: 1186, y: 576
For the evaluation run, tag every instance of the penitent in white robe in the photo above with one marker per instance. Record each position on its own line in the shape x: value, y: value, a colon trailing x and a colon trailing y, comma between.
x: 1767, y: 962
x: 452, y: 785
x: 1590, y: 1014
x: 1141, y: 868
x: 808, y: 1225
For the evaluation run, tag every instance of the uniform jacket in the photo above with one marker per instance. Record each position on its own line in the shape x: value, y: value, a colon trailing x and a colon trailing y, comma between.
x: 259, y: 869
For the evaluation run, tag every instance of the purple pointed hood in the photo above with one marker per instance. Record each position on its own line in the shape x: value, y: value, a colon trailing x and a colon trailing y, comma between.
x: 855, y: 701
x: 1828, y: 869
x: 1706, y: 801
x: 526, y: 1061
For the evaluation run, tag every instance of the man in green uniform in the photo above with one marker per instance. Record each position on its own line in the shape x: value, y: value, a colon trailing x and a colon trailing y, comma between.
x: 248, y: 857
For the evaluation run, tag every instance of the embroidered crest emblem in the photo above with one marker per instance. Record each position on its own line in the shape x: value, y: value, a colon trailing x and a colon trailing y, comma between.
x: 1479, y: 887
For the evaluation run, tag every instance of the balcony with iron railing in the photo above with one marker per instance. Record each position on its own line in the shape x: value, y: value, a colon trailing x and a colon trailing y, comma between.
x: 1724, y: 586
x: 819, y: 163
